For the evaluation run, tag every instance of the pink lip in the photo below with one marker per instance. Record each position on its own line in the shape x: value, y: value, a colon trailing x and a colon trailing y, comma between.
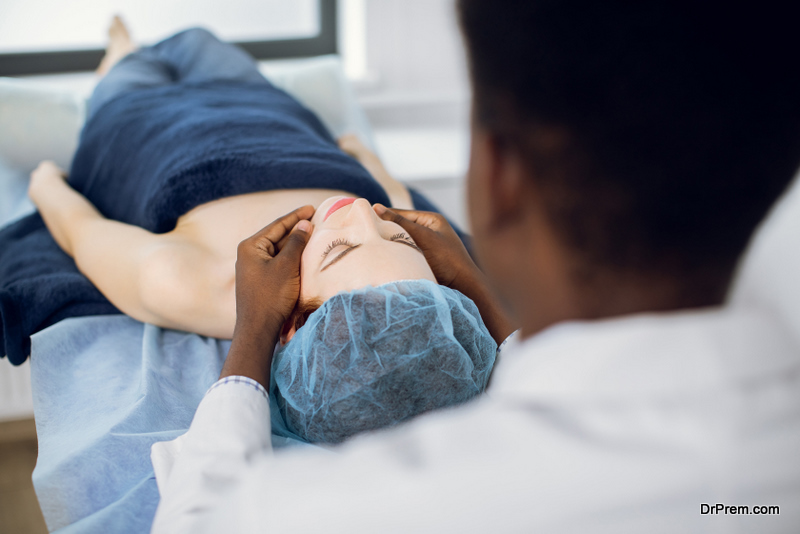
x: 339, y: 204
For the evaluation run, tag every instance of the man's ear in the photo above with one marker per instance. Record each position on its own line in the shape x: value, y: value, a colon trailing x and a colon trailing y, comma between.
x: 288, y: 330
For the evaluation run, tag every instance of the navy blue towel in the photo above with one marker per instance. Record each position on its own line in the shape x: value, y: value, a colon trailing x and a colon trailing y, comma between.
x: 150, y: 156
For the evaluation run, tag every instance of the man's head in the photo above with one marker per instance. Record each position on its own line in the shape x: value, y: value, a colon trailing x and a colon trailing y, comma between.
x: 625, y: 150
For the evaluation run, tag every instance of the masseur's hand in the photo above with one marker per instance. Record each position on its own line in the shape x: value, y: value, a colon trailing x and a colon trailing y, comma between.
x: 451, y: 263
x: 267, y: 289
x: 449, y: 260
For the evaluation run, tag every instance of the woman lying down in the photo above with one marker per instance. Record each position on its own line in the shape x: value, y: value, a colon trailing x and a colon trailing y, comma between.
x: 188, y: 151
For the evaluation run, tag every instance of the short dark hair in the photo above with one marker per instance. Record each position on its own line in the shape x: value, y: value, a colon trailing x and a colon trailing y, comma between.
x: 659, y: 133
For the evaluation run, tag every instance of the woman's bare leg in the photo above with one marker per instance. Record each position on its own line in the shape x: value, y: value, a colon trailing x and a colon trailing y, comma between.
x: 119, y: 45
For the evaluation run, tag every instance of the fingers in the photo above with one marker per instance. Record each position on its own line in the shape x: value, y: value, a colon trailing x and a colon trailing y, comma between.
x: 295, y: 242
x: 279, y: 228
x: 408, y: 219
x: 302, y: 226
x: 393, y: 215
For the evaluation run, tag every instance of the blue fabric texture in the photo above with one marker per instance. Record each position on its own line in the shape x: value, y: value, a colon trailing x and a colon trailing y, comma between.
x: 190, y: 56
x: 105, y: 389
x: 376, y: 356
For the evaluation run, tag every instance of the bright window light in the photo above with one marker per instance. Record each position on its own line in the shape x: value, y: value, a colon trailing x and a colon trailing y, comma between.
x: 50, y: 25
x: 353, y: 38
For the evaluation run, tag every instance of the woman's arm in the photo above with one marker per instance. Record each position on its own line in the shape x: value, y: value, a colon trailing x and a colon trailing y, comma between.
x: 397, y: 192
x: 161, y: 279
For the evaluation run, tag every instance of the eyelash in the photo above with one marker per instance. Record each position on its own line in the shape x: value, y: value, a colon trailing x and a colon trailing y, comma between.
x: 342, y: 241
x: 336, y: 243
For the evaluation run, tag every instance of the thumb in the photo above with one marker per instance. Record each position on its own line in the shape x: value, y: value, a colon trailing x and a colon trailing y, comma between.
x: 392, y: 216
x: 294, y: 244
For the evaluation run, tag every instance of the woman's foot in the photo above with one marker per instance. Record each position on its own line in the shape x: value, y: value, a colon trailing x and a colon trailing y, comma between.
x: 119, y: 45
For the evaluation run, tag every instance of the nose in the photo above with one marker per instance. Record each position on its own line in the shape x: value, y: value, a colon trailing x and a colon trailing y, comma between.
x: 362, y: 214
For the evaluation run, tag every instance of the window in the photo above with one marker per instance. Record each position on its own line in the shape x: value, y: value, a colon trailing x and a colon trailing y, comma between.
x: 38, y: 36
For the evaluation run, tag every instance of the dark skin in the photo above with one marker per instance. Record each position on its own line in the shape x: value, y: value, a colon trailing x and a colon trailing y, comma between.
x: 451, y: 263
x: 268, y: 282
x: 530, y: 268
x: 267, y: 289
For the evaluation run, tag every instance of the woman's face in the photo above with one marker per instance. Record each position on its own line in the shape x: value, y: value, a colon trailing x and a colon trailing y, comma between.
x: 351, y: 247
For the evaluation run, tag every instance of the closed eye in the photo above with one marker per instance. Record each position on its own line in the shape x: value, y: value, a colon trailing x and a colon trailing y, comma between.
x: 350, y: 248
x: 335, y: 243
x: 405, y: 239
x: 402, y: 238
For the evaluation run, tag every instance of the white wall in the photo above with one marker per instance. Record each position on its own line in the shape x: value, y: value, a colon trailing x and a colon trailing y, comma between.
x: 416, y: 94
x: 415, y: 46
x: 34, y: 25
x: 16, y: 401
x: 415, y: 60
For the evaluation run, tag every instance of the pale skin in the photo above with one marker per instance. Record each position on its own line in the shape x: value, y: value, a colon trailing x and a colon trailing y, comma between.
x: 185, y: 279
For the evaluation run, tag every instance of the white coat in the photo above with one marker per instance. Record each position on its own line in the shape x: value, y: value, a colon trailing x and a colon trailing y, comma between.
x: 623, y: 425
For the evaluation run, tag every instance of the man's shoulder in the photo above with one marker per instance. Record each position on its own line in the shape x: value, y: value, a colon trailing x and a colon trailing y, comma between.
x: 648, y: 355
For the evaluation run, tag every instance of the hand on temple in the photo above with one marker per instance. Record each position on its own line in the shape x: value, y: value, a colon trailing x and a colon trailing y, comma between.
x: 451, y: 263
x: 449, y: 260
x: 267, y: 289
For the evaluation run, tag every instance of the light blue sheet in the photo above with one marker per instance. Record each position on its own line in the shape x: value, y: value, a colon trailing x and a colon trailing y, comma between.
x: 105, y: 389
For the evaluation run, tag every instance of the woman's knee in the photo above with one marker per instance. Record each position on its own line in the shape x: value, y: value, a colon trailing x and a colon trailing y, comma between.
x: 195, y: 36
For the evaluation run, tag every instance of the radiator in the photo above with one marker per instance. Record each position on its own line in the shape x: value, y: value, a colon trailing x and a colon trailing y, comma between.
x: 16, y: 401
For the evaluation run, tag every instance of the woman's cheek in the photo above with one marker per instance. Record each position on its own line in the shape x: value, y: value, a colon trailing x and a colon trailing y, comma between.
x: 307, y: 273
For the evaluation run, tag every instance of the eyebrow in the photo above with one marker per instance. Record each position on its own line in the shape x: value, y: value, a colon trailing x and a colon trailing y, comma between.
x: 349, y: 250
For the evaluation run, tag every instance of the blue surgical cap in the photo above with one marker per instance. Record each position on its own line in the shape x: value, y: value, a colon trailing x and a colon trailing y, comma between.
x: 376, y: 356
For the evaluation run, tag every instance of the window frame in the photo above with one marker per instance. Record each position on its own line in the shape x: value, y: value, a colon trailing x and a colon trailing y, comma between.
x: 325, y: 42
